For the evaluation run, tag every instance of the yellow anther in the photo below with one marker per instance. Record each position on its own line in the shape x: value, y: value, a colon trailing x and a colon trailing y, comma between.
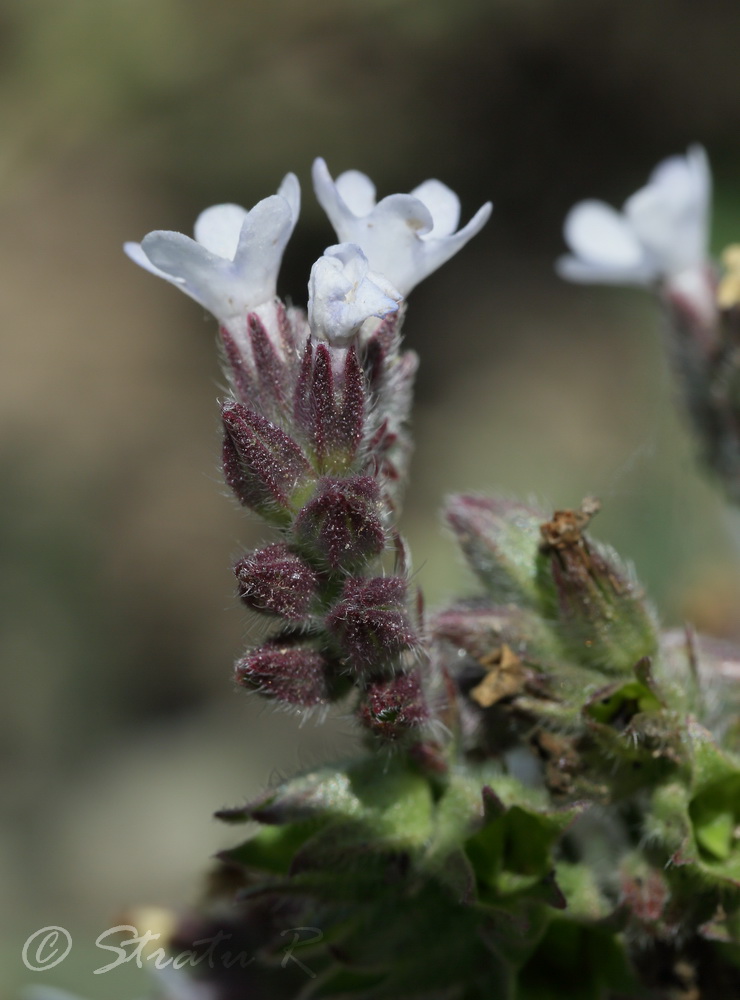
x: 728, y: 290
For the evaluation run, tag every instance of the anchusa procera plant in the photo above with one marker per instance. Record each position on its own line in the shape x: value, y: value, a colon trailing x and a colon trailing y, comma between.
x: 545, y: 799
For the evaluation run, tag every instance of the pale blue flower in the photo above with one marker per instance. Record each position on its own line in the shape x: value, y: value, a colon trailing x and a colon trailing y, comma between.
x: 231, y: 266
x: 404, y: 236
x: 660, y: 236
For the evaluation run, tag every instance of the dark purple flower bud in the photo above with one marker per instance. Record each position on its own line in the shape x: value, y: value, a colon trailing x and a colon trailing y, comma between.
x: 329, y: 404
x: 277, y: 581
x: 500, y: 539
x: 261, y: 362
x: 382, y: 348
x: 262, y: 464
x: 370, y: 622
x: 290, y: 673
x: 351, y: 423
x: 342, y: 524
x: 390, y: 377
x: 270, y: 368
x: 393, y: 708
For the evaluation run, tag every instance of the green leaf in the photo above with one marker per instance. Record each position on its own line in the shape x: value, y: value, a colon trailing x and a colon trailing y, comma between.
x: 577, y: 963
x: 272, y: 848
x: 715, y: 833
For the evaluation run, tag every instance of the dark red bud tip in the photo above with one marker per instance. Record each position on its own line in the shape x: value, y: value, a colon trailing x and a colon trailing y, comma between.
x: 394, y: 708
x: 645, y: 894
x: 342, y: 523
x: 371, y: 622
x: 292, y: 674
x: 276, y: 581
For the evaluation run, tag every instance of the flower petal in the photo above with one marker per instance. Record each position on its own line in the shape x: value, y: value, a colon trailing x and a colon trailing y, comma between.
x: 202, y: 275
x: 231, y: 267
x: 357, y: 191
x: 601, y: 236
x: 670, y: 215
x: 398, y: 236
x: 137, y: 255
x: 218, y: 227
x: 443, y: 204
x: 593, y: 273
x: 290, y: 189
x: 264, y: 236
x: 436, y: 252
x: 390, y: 238
x: 337, y: 210
x: 682, y: 177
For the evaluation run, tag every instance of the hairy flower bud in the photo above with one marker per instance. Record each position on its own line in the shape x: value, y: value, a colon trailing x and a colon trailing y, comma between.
x: 261, y: 364
x: 329, y: 405
x: 392, y: 708
x: 499, y: 539
x: 290, y: 673
x: 479, y: 628
x: 277, y: 581
x: 342, y: 524
x: 370, y: 622
x: 262, y: 464
x: 601, y: 611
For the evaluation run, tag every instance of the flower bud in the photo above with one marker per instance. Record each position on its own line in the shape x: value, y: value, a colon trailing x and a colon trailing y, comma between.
x: 342, y: 524
x: 602, y: 616
x: 276, y: 581
x: 392, y: 708
x: 262, y: 464
x: 292, y: 674
x: 390, y: 377
x: 329, y: 405
x: 479, y: 629
x: 261, y: 362
x: 644, y: 892
x: 370, y: 622
x: 500, y: 539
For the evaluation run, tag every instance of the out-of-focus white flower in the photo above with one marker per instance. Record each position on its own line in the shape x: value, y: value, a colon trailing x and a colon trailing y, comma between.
x: 661, y: 235
x: 46, y: 993
x: 404, y: 236
x: 177, y: 985
x: 343, y: 292
x: 231, y: 266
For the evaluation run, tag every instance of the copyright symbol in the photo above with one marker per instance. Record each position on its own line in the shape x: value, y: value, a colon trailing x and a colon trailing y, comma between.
x: 42, y: 950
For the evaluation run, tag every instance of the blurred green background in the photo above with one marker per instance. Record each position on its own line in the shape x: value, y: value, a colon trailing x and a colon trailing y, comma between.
x: 120, y: 732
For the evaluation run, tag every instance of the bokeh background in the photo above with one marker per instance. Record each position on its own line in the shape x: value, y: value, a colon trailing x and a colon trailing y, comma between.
x: 120, y: 731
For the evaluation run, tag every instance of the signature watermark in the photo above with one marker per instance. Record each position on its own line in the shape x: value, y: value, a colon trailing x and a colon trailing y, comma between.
x: 48, y: 947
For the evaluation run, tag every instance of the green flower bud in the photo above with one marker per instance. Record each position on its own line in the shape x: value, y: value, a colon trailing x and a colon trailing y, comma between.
x: 603, y: 618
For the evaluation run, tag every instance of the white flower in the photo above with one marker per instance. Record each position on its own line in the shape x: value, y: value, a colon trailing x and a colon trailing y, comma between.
x: 343, y: 292
x: 405, y: 236
x: 662, y: 233
x: 231, y: 266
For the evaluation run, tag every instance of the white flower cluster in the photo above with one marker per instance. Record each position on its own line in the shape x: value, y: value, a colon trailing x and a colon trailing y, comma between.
x: 659, y: 238
x: 231, y: 266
